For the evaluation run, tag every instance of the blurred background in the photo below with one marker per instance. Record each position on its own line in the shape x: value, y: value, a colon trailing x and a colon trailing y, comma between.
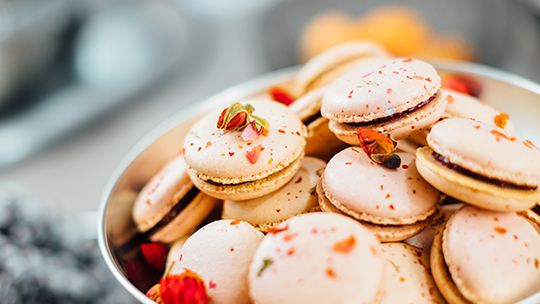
x: 81, y: 82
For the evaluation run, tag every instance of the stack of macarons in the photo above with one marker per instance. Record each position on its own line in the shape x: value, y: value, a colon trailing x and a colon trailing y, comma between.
x: 308, y: 207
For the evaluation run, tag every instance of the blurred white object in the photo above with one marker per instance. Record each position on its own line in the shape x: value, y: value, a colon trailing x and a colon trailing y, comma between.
x: 226, y: 9
x: 119, y: 53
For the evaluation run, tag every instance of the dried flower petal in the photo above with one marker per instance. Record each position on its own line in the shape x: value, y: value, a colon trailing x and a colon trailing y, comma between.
x: 345, y: 245
x: 155, y: 254
x: 278, y: 229
x: 501, y: 120
x: 154, y: 294
x: 184, y: 288
x: 499, y: 134
x: 266, y: 264
x: 379, y: 147
x: 461, y: 83
x: 254, y: 154
x: 234, y: 117
x: 281, y: 95
x: 250, y: 133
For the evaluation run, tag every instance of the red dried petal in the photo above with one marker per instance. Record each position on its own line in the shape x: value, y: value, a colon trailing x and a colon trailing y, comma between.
x: 281, y: 95
x: 185, y: 288
x: 345, y: 245
x: 278, y: 229
x: 155, y: 254
x: 373, y: 142
x: 461, y: 83
x: 254, y: 154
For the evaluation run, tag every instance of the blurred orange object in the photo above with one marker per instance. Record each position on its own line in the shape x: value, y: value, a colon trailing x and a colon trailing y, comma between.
x: 400, y: 29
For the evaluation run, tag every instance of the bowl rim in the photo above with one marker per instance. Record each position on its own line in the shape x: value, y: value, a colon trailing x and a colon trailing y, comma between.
x: 241, y: 91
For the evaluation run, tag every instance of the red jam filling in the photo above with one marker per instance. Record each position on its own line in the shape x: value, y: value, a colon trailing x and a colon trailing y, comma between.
x: 445, y: 162
x: 395, y: 115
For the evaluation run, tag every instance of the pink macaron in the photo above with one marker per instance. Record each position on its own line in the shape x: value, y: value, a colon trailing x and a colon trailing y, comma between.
x: 484, y: 256
x: 399, y: 96
x: 317, y: 258
x: 481, y: 164
x: 169, y: 206
x: 394, y: 203
x: 220, y: 253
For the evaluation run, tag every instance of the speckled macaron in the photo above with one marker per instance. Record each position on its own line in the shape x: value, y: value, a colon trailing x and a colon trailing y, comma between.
x: 169, y: 207
x: 317, y: 258
x: 408, y: 277
x: 398, y: 96
x: 296, y: 197
x: 320, y: 141
x: 332, y: 63
x: 394, y: 203
x: 226, y: 165
x: 220, y: 253
x: 481, y: 164
x: 483, y: 256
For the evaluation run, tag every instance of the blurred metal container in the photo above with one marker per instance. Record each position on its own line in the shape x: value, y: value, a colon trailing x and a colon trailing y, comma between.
x: 512, y: 94
x: 30, y: 32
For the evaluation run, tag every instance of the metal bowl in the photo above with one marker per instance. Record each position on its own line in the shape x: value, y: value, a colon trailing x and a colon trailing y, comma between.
x: 509, y: 93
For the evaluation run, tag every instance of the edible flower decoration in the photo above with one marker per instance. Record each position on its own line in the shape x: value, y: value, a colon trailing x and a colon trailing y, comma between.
x: 185, y: 288
x: 379, y: 147
x: 155, y: 254
x: 281, y: 95
x: 239, y: 117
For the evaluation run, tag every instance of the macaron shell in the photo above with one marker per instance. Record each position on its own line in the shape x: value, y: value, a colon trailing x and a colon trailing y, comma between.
x: 292, y: 199
x: 174, y: 253
x: 493, y: 257
x: 379, y: 89
x: 465, y: 106
x: 317, y: 258
x: 248, y: 190
x: 371, y: 192
x: 220, y: 253
x: 470, y: 190
x: 486, y: 150
x: 385, y: 233
x: 407, y: 277
x: 400, y: 128
x: 222, y: 158
x: 333, y: 62
x: 187, y: 220
x: 161, y: 193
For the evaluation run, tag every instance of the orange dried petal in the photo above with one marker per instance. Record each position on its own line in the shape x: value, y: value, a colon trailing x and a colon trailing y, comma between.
x: 254, y: 154
x: 373, y: 142
x: 345, y: 245
x: 501, y: 120
x: 499, y: 134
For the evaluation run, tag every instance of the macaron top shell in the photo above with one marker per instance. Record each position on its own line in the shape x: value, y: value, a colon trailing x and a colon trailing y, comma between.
x: 407, y: 277
x: 222, y: 156
x: 333, y: 57
x: 294, y: 198
x: 466, y: 106
x: 379, y: 89
x: 359, y: 184
x: 161, y: 193
x: 486, y: 150
x: 220, y: 253
x: 493, y: 257
x: 317, y: 258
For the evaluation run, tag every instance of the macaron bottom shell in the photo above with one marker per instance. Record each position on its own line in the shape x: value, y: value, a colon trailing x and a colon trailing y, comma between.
x: 385, y: 233
x: 399, y: 128
x: 247, y: 190
x: 471, y: 190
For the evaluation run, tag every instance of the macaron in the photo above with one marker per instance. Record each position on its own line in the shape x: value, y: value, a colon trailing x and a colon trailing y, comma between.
x: 174, y: 253
x: 320, y: 141
x: 407, y: 278
x: 244, y: 159
x: 481, y: 164
x: 169, y: 207
x: 220, y: 253
x: 298, y: 196
x: 317, y: 258
x: 394, y: 204
x: 461, y: 105
x: 484, y: 256
x: 332, y: 63
x: 398, y: 96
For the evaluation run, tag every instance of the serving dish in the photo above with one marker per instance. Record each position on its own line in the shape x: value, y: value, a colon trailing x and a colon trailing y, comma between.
x: 118, y: 240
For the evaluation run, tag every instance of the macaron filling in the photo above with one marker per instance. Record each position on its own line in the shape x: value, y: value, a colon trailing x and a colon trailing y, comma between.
x: 397, y: 115
x: 312, y: 118
x: 175, y: 211
x: 503, y: 184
